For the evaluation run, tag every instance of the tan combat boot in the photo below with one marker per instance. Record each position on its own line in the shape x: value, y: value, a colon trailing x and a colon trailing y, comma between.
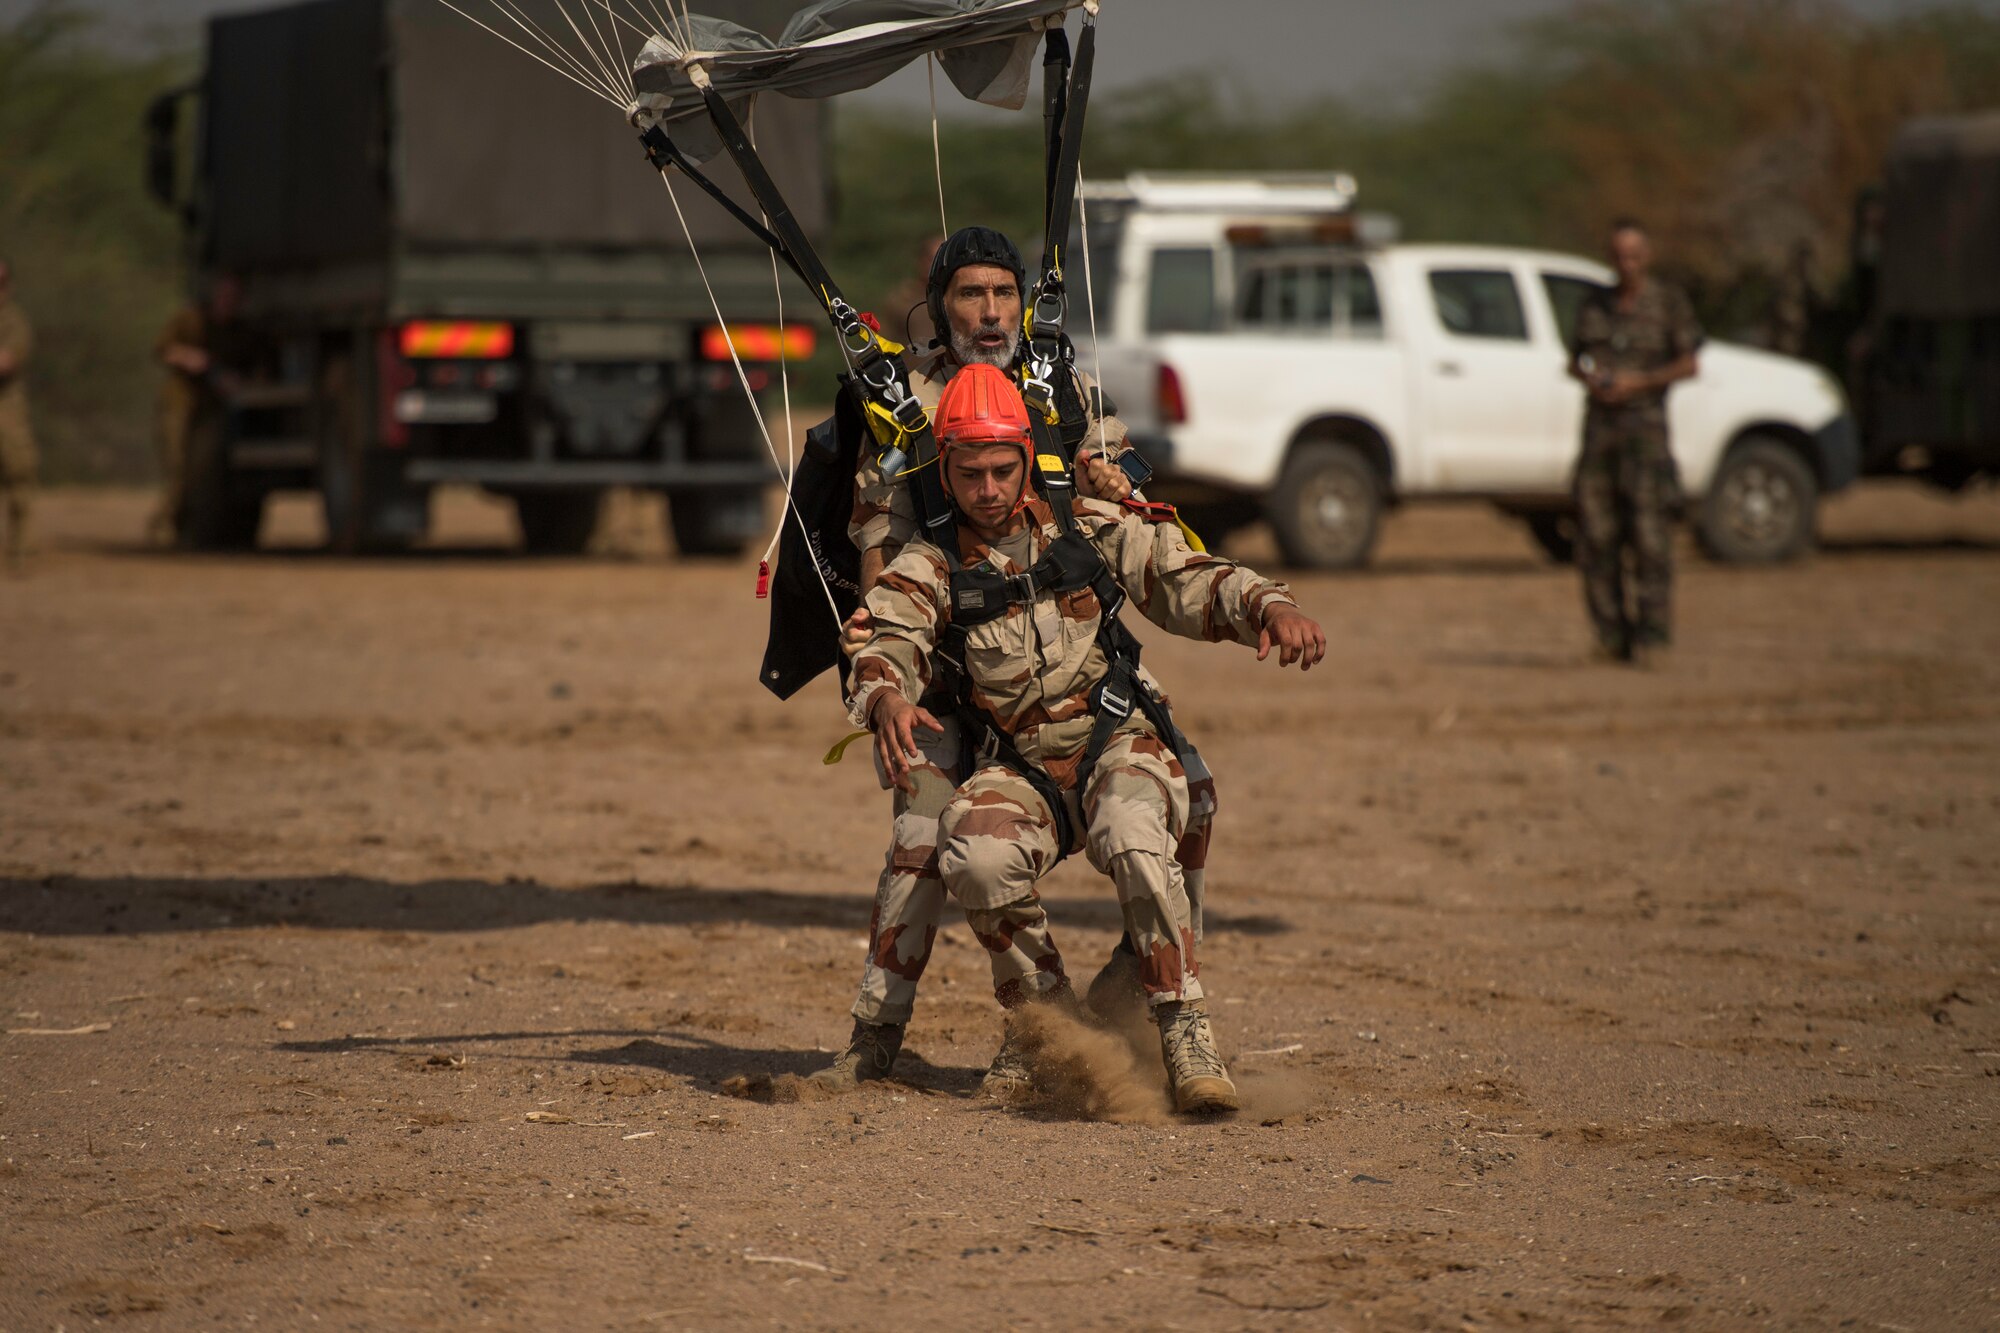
x: 1012, y: 1073
x: 1201, y: 1084
x: 1116, y: 998
x: 871, y: 1053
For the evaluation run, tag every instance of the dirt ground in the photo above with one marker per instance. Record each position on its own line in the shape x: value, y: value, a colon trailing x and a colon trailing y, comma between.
x: 376, y: 939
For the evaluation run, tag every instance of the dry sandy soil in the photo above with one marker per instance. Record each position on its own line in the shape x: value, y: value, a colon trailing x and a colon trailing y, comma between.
x: 376, y: 939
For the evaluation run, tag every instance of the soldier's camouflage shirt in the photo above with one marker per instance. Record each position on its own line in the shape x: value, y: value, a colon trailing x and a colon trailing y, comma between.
x: 883, y: 513
x: 1658, y: 330
x: 1032, y: 670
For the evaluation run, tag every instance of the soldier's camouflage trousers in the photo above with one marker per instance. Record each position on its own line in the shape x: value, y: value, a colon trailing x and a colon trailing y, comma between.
x: 910, y: 901
x: 998, y: 837
x: 1626, y: 492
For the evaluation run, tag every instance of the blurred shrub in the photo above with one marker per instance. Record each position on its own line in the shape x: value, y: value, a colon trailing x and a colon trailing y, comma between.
x: 94, y: 259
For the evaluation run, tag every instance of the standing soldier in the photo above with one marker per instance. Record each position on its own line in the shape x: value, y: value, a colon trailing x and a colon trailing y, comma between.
x: 1016, y: 605
x: 1633, y: 341
x: 973, y: 295
x: 18, y: 459
x: 203, y: 349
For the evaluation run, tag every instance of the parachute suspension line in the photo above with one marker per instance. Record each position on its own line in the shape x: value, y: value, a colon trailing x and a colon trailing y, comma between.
x: 528, y: 25
x: 937, y: 156
x: 620, y: 81
x: 1090, y: 302
x: 785, y: 388
x: 743, y: 378
x: 589, y: 85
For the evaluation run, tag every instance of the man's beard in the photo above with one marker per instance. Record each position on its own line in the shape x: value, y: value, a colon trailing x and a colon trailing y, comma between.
x: 965, y: 347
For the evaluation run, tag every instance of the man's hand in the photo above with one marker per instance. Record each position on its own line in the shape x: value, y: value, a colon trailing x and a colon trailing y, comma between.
x: 1297, y: 637
x: 859, y: 629
x: 186, y: 358
x: 1101, y: 479
x: 895, y: 720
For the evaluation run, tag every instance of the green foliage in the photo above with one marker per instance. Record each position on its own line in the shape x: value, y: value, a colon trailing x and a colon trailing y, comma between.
x: 94, y: 258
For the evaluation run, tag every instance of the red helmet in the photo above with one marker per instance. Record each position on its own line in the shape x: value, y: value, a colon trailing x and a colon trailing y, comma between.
x: 981, y: 406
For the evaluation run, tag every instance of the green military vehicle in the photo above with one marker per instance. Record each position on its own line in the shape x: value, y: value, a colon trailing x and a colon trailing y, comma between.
x: 462, y: 272
x: 1926, y: 377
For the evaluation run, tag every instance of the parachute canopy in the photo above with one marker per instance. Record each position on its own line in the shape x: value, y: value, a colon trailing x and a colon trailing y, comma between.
x: 986, y: 48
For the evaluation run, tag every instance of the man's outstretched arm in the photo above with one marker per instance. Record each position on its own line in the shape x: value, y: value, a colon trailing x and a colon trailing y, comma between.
x: 1203, y: 596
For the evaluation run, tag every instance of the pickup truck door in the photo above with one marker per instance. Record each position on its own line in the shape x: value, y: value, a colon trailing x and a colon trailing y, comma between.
x: 1487, y: 380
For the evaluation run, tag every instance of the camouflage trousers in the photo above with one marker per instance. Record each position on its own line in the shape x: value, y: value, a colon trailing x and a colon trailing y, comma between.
x: 999, y: 837
x: 1627, y: 490
x: 910, y: 903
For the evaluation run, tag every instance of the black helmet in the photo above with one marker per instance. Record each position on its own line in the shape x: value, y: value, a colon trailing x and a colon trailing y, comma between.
x: 967, y: 245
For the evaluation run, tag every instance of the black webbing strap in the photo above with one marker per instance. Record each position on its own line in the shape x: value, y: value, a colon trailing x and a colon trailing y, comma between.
x: 877, y: 377
x: 1048, y: 304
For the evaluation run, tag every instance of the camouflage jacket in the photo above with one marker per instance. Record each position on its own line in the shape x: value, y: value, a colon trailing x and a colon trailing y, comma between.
x: 883, y: 513
x: 1658, y: 330
x: 17, y: 339
x: 1031, y: 671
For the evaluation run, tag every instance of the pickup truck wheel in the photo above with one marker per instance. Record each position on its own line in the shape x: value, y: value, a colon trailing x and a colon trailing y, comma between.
x: 1555, y: 534
x: 1327, y: 508
x: 715, y: 522
x: 1760, y: 508
x: 557, y: 522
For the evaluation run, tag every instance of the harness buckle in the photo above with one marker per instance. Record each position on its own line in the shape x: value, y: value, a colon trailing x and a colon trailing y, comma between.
x: 1114, y: 703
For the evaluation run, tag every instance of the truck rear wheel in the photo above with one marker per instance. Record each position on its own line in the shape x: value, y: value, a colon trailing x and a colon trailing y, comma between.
x: 1327, y: 508
x: 219, y: 511
x: 715, y: 522
x: 1760, y: 507
x: 558, y: 522
x: 366, y: 507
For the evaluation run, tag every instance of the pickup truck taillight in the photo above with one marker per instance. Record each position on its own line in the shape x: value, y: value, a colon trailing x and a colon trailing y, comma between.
x: 456, y: 339
x: 1167, y: 395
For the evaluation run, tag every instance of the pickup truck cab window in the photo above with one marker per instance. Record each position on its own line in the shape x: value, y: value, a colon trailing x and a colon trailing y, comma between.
x: 1479, y: 303
x: 1567, y: 294
x: 1339, y: 297
x: 1180, y: 294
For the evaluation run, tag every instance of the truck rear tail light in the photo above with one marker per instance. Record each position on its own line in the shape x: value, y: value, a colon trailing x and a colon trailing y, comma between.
x: 1167, y: 394
x: 759, y: 342
x: 456, y: 339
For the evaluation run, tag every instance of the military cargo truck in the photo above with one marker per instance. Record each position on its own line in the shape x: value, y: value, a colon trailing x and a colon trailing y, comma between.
x: 1928, y: 377
x: 464, y: 272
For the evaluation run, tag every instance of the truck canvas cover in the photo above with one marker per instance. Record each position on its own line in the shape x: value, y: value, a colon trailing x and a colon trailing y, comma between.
x: 1941, y: 248
x: 340, y: 128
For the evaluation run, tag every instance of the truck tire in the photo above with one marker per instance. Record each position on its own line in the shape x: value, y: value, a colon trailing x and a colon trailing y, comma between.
x: 1327, y: 507
x: 715, y: 522
x: 1761, y: 505
x: 1555, y: 533
x: 219, y: 511
x: 367, y: 509
x: 557, y: 522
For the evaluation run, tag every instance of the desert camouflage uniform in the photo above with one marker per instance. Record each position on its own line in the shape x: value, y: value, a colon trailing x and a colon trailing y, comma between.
x: 1030, y: 674
x: 910, y: 895
x: 18, y: 457
x: 1627, y: 486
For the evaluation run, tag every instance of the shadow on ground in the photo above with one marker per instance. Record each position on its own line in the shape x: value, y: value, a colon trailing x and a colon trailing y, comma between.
x: 673, y: 1051
x: 59, y: 905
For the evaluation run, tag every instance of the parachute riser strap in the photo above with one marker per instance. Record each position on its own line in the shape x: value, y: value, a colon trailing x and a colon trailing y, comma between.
x: 1054, y: 471
x: 895, y: 417
x: 1048, y: 307
x: 664, y: 153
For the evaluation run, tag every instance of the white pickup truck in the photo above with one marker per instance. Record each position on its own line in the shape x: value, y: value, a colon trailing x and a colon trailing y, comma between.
x: 1270, y: 370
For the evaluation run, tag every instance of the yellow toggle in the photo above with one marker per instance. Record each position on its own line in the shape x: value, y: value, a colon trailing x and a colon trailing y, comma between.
x: 839, y: 751
x: 1188, y: 532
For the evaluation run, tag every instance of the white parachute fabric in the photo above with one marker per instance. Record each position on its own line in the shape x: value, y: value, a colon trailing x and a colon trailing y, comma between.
x: 986, y: 48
